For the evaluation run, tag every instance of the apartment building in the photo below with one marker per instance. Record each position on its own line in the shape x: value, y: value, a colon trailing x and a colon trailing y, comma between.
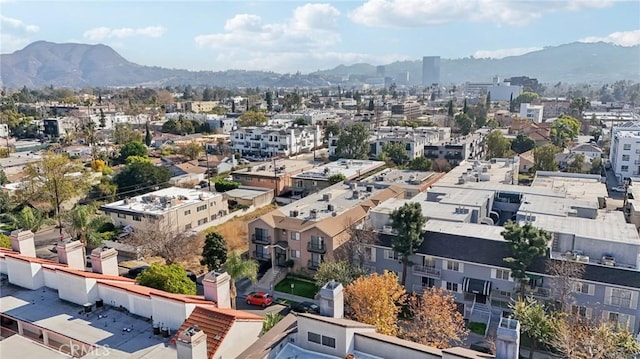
x: 319, y: 178
x: 625, y: 150
x: 410, y: 110
x: 311, y: 229
x: 276, y: 174
x: 200, y: 106
x: 412, y: 182
x: 455, y: 150
x: 172, y: 209
x: 531, y: 112
x: 275, y: 141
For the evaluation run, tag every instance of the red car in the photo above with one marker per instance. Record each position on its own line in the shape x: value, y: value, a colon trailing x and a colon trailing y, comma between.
x: 262, y: 299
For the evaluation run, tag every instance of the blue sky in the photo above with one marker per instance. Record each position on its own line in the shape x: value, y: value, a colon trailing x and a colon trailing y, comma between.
x: 290, y: 36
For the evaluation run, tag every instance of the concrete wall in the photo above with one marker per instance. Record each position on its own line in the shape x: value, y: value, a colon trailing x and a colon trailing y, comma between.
x: 171, y: 313
x: 324, y: 329
x: 50, y: 278
x: 241, y: 335
x: 77, y: 289
x: 388, y: 350
x: 25, y: 274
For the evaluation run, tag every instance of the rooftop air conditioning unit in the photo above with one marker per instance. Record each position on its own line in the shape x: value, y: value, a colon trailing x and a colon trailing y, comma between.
x: 387, y: 229
x: 330, y: 207
x: 369, y: 189
x: 313, y: 214
x: 608, y: 260
x: 582, y: 258
x: 294, y: 213
x: 326, y: 197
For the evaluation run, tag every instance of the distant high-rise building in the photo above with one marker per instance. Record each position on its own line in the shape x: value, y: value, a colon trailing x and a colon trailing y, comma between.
x: 380, y: 71
x: 430, y: 70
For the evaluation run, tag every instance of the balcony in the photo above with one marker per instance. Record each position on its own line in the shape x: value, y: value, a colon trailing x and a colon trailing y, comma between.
x: 455, y: 156
x: 313, y: 265
x: 431, y: 154
x: 260, y: 239
x: 426, y: 271
x: 537, y: 292
x: 316, y: 247
x: 261, y: 256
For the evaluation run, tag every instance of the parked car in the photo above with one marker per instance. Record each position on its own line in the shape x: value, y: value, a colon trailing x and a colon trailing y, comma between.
x: 306, y: 307
x: 619, y: 189
x: 262, y: 299
x: 192, y: 276
x: 134, y: 272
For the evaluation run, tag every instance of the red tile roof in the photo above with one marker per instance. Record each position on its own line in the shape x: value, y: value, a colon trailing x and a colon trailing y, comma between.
x: 215, y: 322
x: 95, y: 275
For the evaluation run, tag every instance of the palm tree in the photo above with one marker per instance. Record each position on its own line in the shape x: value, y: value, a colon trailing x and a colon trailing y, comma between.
x: 84, y: 224
x: 270, y: 320
x: 28, y: 219
x: 239, y: 268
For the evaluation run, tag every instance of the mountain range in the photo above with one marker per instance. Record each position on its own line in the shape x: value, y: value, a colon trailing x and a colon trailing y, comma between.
x: 78, y: 65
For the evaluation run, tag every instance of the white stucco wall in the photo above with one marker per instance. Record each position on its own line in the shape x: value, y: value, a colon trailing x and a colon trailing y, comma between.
x: 50, y: 278
x: 337, y: 332
x: 77, y: 289
x: 170, y: 313
x: 113, y: 296
x: 25, y: 274
x: 388, y: 350
x: 3, y: 265
x: 241, y: 335
x: 140, y: 305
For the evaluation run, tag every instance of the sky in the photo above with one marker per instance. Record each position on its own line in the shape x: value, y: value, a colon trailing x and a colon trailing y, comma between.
x: 291, y: 36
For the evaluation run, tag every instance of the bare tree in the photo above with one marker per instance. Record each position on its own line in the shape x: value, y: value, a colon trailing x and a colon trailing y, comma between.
x: 353, y: 250
x: 566, y: 274
x: 162, y: 242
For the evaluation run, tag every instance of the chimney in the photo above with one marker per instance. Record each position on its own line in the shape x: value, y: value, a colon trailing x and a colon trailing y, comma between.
x: 104, y: 260
x: 332, y: 300
x: 22, y: 242
x: 508, y: 339
x: 217, y: 288
x: 192, y: 343
x: 72, y: 254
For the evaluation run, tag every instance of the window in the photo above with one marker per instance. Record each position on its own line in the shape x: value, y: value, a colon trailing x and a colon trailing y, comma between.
x: 202, y: 221
x: 618, y: 319
x: 212, y: 204
x: 502, y: 274
x: 584, y: 312
x: 137, y: 218
x: 295, y: 236
x: 201, y: 208
x: 620, y: 298
x: 428, y: 282
x: 187, y: 212
x: 328, y: 342
x: 626, y: 146
x: 314, y: 337
x: 454, y: 266
x: 585, y: 288
x: 389, y: 254
x: 452, y: 286
x: 624, y: 168
x: 625, y: 158
x: 187, y: 226
x: 294, y: 254
x: 369, y: 254
x: 120, y: 215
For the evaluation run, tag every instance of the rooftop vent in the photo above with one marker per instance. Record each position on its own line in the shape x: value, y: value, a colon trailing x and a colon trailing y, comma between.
x: 326, y: 197
x: 330, y: 207
x: 608, y: 260
x: 313, y: 214
x: 294, y: 213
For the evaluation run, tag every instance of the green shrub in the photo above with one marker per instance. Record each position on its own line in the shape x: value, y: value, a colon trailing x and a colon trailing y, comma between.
x: 224, y: 185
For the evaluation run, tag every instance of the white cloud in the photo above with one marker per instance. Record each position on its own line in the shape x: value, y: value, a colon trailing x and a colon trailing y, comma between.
x: 502, y: 53
x: 103, y: 33
x: 10, y: 43
x: 622, y: 38
x: 17, y: 24
x: 415, y: 13
x: 311, y: 27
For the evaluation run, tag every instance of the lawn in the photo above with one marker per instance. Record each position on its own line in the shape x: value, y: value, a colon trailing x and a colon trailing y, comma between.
x: 301, y: 287
x: 478, y: 328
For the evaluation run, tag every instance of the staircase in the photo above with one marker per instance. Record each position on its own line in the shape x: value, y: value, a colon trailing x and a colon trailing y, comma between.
x: 481, y: 313
x: 269, y: 280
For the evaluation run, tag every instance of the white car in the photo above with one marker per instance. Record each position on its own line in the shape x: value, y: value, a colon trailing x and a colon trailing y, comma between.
x: 619, y: 189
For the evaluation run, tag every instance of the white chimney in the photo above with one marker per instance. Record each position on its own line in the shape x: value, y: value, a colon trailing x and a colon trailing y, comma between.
x: 72, y: 254
x: 22, y: 242
x: 332, y: 300
x: 508, y: 339
x: 217, y: 288
x: 192, y: 343
x: 104, y: 260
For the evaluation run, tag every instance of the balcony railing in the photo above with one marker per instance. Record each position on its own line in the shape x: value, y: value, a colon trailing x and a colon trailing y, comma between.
x: 261, y: 256
x: 316, y: 247
x: 367, y: 268
x: 537, y: 292
x: 262, y: 239
x: 426, y: 271
x: 313, y: 265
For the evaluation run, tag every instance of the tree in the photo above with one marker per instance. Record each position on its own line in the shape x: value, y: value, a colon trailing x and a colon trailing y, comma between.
x: 354, y: 250
x: 596, y: 166
x: 268, y: 97
x: 332, y: 129
x: 577, y: 165
x: 522, y: 143
x: 526, y: 243
x: 436, y: 320
x: 596, y: 134
x: 84, y: 224
x: 335, y: 178
x: 450, y: 108
x: 270, y: 320
x: 487, y: 103
x: 565, y: 275
x: 252, y: 118
x: 170, y: 278
x: 239, y: 268
x: 544, y: 158
x: 353, y: 142
x: 170, y: 126
x: 563, y: 130
x: 103, y: 119
x: 535, y: 322
x: 214, y: 252
x: 147, y: 135
x: 169, y: 242
x: 3, y: 178
x: 224, y: 185
x: 133, y: 148
x: 192, y: 150
x: 123, y: 133
x: 55, y: 179
x: 441, y: 165
x: 300, y: 121
x: 408, y: 221
x: 464, y: 123
x: 5, y: 241
x: 525, y: 97
x: 420, y: 164
x: 498, y: 146
x: 28, y: 219
x: 372, y: 105
x: 376, y: 300
x: 141, y: 177
x: 396, y: 152
x: 340, y: 271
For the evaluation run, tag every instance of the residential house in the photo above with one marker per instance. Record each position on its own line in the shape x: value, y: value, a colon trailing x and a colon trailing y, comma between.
x: 319, y: 178
x: 589, y: 151
x: 531, y: 112
x: 274, y: 174
x: 527, y: 161
x: 275, y: 141
x: 187, y: 172
x: 412, y: 182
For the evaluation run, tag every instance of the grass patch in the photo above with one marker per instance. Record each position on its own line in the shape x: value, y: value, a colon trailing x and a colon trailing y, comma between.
x: 301, y: 287
x: 478, y: 328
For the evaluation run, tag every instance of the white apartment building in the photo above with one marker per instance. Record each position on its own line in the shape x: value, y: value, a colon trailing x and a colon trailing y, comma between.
x: 275, y: 141
x: 531, y: 112
x: 625, y: 150
x: 174, y: 209
x: 4, y: 130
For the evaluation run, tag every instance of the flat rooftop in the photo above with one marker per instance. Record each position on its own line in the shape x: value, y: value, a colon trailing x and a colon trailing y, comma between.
x: 466, y: 229
x: 608, y: 226
x: 499, y: 172
x: 401, y: 178
x: 458, y: 196
x: 277, y: 168
x: 160, y: 201
x: 578, y: 186
x: 246, y: 192
x: 349, y: 168
x: 103, y: 326
x: 431, y: 210
x: 17, y: 346
x: 555, y: 206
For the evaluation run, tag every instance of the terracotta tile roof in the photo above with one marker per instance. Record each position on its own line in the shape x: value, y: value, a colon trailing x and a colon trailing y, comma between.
x: 18, y: 256
x: 190, y: 168
x: 215, y: 323
x: 131, y: 286
x: 95, y: 275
